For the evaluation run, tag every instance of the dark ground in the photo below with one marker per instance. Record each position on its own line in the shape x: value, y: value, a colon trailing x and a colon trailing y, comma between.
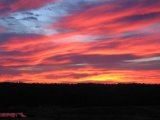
x: 81, y: 101
x: 92, y: 113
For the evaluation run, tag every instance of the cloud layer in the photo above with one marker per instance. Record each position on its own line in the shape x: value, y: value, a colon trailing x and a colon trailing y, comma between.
x: 72, y: 41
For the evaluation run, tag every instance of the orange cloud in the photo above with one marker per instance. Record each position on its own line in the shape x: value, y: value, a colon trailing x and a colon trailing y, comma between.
x: 88, y: 74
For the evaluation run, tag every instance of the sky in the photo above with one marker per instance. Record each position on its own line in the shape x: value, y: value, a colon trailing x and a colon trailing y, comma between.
x: 80, y: 41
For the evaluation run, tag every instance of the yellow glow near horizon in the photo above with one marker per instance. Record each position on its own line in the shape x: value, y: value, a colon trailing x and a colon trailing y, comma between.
x: 106, y: 77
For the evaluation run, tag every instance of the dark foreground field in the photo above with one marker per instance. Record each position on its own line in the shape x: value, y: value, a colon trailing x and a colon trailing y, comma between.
x: 91, y: 113
x: 81, y: 101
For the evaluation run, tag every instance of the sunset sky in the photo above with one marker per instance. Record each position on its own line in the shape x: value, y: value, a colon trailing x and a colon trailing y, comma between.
x: 80, y: 41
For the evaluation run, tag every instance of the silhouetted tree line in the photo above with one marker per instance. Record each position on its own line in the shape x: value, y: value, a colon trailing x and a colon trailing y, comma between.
x: 78, y: 95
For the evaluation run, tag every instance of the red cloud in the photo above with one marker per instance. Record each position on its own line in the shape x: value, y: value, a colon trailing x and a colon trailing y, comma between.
x: 117, y: 31
x: 146, y: 45
x: 102, y: 17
